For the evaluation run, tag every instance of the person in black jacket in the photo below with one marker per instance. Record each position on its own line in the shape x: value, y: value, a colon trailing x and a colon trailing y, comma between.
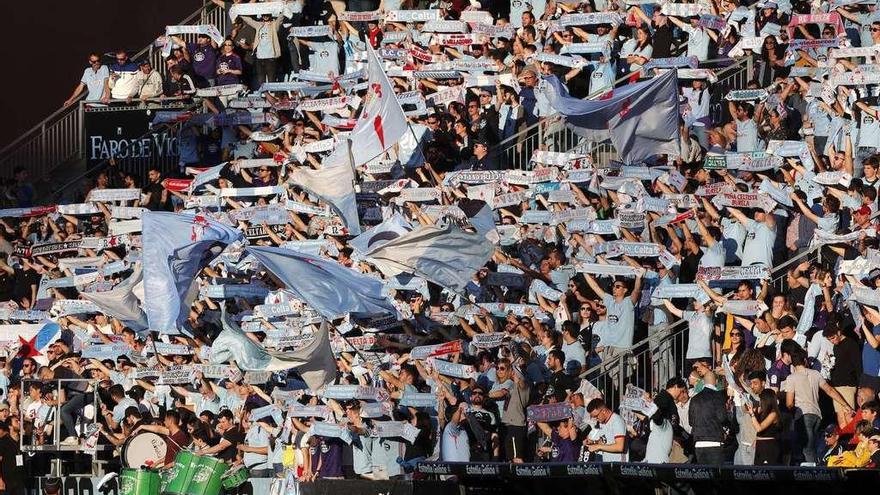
x: 707, y: 416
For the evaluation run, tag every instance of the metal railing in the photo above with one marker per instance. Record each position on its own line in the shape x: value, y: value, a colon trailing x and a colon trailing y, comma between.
x: 59, y: 138
x: 55, y: 444
x: 649, y: 363
x: 551, y: 134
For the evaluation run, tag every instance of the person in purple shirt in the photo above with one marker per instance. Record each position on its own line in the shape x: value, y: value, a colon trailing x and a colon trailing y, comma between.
x: 563, y: 446
x: 229, y: 66
x: 203, y: 56
x: 328, y: 451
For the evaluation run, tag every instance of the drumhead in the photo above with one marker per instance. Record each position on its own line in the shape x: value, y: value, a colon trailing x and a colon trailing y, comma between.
x: 144, y: 448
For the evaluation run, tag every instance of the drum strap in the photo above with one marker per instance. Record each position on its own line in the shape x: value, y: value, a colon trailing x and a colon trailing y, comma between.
x: 179, y: 447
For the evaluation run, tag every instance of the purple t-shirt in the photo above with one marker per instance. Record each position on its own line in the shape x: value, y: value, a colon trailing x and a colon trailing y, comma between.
x: 564, y: 449
x: 230, y: 62
x: 330, y: 452
x: 777, y: 373
x: 204, y: 60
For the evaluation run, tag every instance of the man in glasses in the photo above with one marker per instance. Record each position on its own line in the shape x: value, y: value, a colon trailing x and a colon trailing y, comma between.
x: 620, y: 305
x: 28, y: 369
x: 122, y: 78
x: 606, y: 440
x: 832, y: 447
x: 94, y: 79
x: 481, y: 425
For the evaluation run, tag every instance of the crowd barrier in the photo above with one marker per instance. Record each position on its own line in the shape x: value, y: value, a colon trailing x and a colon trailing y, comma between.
x: 560, y: 479
x: 263, y: 486
x: 596, y: 478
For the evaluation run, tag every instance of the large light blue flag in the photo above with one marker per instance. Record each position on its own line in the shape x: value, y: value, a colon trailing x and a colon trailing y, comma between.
x: 122, y: 302
x: 389, y: 229
x: 641, y: 118
x: 332, y: 289
x: 334, y: 183
x: 444, y: 254
x: 314, y: 361
x: 174, y: 247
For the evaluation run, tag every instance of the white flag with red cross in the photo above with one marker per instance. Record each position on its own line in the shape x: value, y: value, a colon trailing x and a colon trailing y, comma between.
x: 382, y: 122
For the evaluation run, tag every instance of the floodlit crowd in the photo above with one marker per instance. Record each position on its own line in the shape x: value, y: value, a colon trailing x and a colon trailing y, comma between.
x: 523, y: 357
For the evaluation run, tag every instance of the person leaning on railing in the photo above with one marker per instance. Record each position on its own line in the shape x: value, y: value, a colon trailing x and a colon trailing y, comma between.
x: 93, y: 80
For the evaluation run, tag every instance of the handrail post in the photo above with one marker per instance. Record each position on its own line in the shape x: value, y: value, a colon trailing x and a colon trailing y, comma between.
x: 81, y: 129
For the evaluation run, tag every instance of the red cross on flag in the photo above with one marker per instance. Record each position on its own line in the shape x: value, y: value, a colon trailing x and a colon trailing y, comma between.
x: 382, y: 122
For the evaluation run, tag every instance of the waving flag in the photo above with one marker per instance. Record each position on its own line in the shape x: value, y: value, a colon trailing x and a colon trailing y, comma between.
x: 641, y: 119
x: 314, y: 362
x: 446, y: 255
x: 389, y: 229
x: 334, y: 183
x: 332, y: 289
x: 174, y: 247
x: 33, y: 338
x: 382, y: 122
x: 122, y: 302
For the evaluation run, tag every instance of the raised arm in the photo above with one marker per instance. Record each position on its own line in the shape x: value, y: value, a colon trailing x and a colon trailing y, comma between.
x: 591, y: 281
x: 672, y: 309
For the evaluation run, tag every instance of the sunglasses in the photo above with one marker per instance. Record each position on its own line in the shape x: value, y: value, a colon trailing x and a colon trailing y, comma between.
x: 94, y: 61
x: 874, y: 30
x: 502, y: 368
x: 476, y: 393
x: 264, y: 170
x: 736, y: 334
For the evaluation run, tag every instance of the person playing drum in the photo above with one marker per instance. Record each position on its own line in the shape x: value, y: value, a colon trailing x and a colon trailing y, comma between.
x: 175, y: 436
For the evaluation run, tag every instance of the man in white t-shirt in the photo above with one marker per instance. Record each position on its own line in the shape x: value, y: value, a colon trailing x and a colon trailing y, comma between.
x: 608, y: 438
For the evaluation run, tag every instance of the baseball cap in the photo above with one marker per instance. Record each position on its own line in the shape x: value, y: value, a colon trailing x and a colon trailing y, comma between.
x: 4, y: 407
x: 864, y: 210
x: 144, y: 62
x: 831, y: 430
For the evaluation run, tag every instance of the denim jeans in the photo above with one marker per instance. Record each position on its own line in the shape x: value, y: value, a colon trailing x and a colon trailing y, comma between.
x: 70, y: 410
x: 806, y: 430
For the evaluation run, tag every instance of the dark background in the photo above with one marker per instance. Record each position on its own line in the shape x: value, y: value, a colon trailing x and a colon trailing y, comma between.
x: 47, y: 45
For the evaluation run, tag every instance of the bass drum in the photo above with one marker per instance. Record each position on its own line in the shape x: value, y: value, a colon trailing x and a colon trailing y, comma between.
x: 144, y: 449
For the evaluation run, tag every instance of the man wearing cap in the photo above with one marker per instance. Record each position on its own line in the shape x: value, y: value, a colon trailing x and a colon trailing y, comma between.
x: 833, y: 447
x: 861, y: 218
x: 481, y: 160
x: 147, y: 82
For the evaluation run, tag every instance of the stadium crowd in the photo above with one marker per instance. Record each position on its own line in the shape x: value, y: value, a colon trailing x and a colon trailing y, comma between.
x: 495, y: 361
